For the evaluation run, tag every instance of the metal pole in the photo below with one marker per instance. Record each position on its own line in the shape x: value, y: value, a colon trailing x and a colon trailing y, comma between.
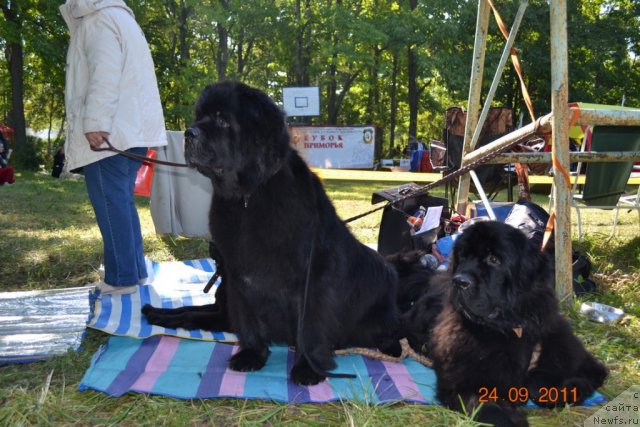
x: 560, y: 126
x: 483, y: 195
x: 475, y: 90
x: 574, y: 156
x: 596, y: 117
x: 496, y: 78
x: 544, y: 124
x: 586, y: 116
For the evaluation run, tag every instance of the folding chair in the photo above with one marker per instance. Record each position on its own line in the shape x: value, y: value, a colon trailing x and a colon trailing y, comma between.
x: 628, y: 202
x: 605, y: 183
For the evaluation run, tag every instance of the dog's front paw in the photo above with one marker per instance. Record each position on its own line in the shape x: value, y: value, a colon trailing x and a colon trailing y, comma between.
x: 393, y: 349
x: 572, y: 391
x: 247, y: 360
x: 302, y: 374
x: 576, y: 390
x: 501, y: 415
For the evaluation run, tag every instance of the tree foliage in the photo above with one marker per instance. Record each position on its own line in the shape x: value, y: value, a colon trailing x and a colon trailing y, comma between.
x: 397, y: 64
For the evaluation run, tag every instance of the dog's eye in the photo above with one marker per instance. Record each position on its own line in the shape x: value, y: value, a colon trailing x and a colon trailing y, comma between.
x: 492, y: 260
x: 221, y: 122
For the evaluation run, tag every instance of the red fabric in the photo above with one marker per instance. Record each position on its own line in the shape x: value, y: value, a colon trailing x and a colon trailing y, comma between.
x: 144, y: 179
x: 7, y: 132
x: 6, y: 175
x: 425, y: 162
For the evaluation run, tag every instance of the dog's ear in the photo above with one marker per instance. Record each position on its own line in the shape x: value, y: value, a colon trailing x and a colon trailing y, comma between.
x: 200, y: 103
x: 259, y: 108
x: 536, y: 267
x: 211, y: 95
x: 265, y: 125
x: 536, y: 282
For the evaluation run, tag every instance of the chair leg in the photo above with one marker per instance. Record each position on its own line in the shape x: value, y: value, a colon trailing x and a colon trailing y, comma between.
x: 615, y: 222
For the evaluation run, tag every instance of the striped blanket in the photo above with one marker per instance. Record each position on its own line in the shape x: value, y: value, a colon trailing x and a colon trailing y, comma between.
x: 165, y: 363
x: 190, y: 369
x: 169, y: 285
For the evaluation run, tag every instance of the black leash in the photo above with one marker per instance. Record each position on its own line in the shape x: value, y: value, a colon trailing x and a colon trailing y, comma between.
x: 213, y: 280
x: 110, y: 147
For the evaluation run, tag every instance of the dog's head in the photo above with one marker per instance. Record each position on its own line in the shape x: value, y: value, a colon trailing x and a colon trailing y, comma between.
x: 497, y: 274
x: 239, y: 137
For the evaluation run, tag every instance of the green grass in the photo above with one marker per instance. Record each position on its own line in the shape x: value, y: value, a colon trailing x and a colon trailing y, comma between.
x: 49, y: 240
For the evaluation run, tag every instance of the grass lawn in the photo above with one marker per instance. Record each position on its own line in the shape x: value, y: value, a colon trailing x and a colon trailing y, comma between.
x: 49, y: 239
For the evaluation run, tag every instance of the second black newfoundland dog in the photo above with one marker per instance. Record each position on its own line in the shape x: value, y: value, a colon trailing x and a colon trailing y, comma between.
x: 494, y: 331
x: 292, y: 271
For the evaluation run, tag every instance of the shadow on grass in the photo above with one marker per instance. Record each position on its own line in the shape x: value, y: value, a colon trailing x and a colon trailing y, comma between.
x: 51, y: 239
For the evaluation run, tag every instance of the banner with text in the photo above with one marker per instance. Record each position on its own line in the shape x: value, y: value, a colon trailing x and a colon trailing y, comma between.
x: 346, y: 147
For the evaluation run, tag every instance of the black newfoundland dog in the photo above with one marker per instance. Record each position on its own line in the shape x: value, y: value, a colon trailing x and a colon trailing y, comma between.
x: 292, y: 271
x: 494, y: 331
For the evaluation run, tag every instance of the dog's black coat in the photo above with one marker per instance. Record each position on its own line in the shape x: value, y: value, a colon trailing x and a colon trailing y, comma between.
x: 467, y: 319
x: 292, y: 271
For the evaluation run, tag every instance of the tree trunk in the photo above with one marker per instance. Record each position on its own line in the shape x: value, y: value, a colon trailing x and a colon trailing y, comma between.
x: 373, y: 94
x: 412, y: 86
x: 394, y: 103
x: 242, y: 54
x: 303, y: 50
x: 332, y: 97
x: 302, y: 45
x: 349, y: 79
x: 222, y: 52
x: 15, y: 61
x: 185, y: 55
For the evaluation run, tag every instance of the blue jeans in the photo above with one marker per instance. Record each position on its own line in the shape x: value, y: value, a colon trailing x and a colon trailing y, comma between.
x: 110, y: 183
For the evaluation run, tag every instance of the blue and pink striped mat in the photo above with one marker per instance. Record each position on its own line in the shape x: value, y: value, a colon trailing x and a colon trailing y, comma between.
x: 189, y: 369
x: 143, y: 358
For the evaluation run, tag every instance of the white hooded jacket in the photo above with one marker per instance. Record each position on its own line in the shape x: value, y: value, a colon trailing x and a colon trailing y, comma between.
x: 110, y: 81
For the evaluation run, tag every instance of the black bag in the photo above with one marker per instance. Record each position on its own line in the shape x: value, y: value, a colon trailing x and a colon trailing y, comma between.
x: 581, y: 268
x: 58, y: 164
x: 532, y: 220
x: 395, y: 234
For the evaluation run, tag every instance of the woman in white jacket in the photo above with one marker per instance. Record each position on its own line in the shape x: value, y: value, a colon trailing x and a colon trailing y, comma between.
x: 111, y: 92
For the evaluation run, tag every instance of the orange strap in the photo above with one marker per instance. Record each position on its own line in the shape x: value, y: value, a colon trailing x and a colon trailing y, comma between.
x: 554, y: 160
x: 516, y: 63
x: 576, y: 113
x: 547, y: 231
x: 559, y: 168
x: 551, y: 223
x: 523, y: 178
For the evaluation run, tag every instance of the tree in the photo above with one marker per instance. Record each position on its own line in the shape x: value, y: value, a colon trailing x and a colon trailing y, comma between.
x: 13, y: 50
x: 44, y: 94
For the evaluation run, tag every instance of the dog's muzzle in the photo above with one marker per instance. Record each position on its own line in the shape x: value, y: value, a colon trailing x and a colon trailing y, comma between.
x: 191, y: 137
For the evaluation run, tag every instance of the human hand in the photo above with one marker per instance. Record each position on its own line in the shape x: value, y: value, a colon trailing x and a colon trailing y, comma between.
x: 96, y: 138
